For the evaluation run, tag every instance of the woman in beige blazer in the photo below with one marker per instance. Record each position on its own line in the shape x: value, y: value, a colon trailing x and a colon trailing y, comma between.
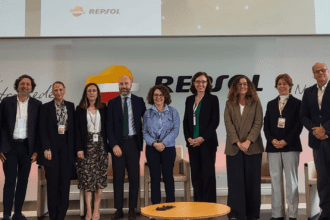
x: 243, y: 121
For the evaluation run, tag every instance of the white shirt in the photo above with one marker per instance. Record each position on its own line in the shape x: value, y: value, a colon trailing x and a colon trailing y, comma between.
x: 21, y: 114
x: 93, y: 122
x: 241, y: 108
x: 282, y: 102
x: 320, y: 93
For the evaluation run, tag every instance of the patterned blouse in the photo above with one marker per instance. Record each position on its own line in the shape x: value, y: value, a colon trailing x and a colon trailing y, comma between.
x: 61, y: 114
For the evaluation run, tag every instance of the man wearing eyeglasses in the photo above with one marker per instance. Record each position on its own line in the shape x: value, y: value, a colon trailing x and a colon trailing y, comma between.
x: 315, y: 116
x: 124, y: 131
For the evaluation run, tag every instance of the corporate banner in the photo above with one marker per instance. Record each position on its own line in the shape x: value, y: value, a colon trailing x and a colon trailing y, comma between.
x: 12, y: 18
x: 100, y: 18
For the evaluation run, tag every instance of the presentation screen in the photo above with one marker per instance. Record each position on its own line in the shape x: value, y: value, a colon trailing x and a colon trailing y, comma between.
x: 120, y: 18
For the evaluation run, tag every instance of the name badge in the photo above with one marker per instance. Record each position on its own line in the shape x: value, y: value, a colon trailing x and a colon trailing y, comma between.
x: 61, y: 129
x: 194, y: 119
x: 95, y: 138
x: 281, y: 123
x: 21, y: 123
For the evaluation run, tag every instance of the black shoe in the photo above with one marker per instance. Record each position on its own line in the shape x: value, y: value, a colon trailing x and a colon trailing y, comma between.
x: 19, y: 216
x: 281, y: 218
x: 117, y: 215
x: 292, y: 218
x: 5, y: 217
x: 131, y: 215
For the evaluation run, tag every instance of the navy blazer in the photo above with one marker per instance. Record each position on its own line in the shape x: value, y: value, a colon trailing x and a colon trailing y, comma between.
x: 8, y: 111
x: 115, y: 120
x: 293, y: 127
x: 82, y: 132
x: 49, y: 132
x: 209, y: 119
x: 311, y: 116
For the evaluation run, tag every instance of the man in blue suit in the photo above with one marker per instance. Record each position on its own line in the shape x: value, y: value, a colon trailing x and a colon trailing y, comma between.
x: 315, y: 116
x: 124, y: 130
x: 18, y: 114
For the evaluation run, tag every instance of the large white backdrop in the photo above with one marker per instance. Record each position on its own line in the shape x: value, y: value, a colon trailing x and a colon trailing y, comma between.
x: 73, y: 60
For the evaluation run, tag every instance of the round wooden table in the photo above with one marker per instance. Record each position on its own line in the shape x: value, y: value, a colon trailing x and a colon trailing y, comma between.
x: 186, y: 210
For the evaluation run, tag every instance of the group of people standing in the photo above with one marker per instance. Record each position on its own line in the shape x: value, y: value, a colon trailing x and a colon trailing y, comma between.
x: 57, y: 135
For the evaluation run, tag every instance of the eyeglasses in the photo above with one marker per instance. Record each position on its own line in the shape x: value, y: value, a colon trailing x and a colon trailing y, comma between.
x: 91, y: 90
x: 158, y: 95
x: 242, y: 84
x: 200, y: 82
x: 321, y: 70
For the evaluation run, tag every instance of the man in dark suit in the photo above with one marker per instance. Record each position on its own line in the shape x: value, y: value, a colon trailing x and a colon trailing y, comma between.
x: 124, y: 130
x: 57, y: 152
x: 315, y: 116
x: 19, y: 114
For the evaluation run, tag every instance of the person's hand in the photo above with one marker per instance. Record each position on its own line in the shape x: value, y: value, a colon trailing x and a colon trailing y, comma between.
x: 2, y: 157
x: 117, y: 151
x: 34, y: 157
x: 199, y: 141
x: 239, y: 144
x: 276, y: 143
x: 246, y: 145
x: 323, y: 137
x: 318, y: 132
x: 282, y: 143
x: 48, y: 155
x: 159, y: 146
x: 80, y: 154
x: 191, y: 141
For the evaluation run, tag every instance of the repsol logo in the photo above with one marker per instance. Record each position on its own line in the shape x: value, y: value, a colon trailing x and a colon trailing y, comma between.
x: 183, y: 82
x: 103, y: 11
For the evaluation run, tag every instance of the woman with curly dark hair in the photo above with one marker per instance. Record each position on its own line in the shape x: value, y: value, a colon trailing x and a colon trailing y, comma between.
x: 243, y: 121
x: 201, y: 119
x: 161, y: 125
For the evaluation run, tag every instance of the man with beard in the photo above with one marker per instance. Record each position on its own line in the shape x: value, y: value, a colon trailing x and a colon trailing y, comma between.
x: 18, y: 114
x: 124, y: 130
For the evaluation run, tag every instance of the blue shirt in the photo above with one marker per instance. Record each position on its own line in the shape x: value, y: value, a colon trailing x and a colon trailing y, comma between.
x: 161, y: 126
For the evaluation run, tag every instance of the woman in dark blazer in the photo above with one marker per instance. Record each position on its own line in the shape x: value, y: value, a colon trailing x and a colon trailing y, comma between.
x: 201, y: 119
x: 282, y: 129
x: 57, y: 128
x: 243, y: 120
x: 92, y: 148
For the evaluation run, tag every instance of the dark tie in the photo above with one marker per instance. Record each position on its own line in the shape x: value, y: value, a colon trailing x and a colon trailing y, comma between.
x: 125, y: 133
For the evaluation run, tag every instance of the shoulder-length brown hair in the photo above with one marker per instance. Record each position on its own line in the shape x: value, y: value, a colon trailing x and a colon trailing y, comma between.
x: 164, y: 90
x: 286, y: 78
x: 251, y: 95
x: 84, y: 103
x: 209, y: 83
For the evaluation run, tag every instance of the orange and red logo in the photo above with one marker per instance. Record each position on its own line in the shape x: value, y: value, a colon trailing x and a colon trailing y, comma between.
x: 77, y: 11
x: 108, y: 80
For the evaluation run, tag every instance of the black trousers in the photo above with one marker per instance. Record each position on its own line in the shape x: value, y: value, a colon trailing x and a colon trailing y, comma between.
x: 130, y: 159
x: 58, y: 183
x: 322, y: 165
x: 158, y: 163
x: 244, y: 185
x: 202, y: 165
x: 16, y: 167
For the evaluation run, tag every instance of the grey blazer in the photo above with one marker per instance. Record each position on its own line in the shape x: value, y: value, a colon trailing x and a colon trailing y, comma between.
x: 242, y: 127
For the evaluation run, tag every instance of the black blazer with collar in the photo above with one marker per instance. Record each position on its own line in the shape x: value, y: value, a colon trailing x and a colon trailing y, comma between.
x: 311, y: 116
x: 8, y: 111
x: 49, y: 131
x: 209, y: 119
x: 115, y: 119
x: 82, y: 132
x: 293, y: 127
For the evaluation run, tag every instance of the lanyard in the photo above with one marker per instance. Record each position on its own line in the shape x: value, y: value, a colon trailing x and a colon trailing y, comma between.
x: 281, y: 105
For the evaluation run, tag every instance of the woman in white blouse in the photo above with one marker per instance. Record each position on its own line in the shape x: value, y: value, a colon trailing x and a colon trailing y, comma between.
x: 92, y: 148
